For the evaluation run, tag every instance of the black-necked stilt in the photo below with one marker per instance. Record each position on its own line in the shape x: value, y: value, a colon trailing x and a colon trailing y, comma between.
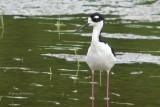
x: 100, y: 55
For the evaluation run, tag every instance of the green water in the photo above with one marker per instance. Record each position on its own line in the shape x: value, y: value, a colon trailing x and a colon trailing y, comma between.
x: 26, y: 80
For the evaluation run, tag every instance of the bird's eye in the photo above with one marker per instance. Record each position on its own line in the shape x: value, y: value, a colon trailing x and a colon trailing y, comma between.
x: 95, y: 19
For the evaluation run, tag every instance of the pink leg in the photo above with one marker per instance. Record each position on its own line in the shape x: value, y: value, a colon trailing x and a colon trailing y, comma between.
x: 92, y: 88
x: 107, y: 89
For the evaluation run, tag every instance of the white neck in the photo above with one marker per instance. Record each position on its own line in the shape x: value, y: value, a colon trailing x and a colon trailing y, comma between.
x: 96, y: 33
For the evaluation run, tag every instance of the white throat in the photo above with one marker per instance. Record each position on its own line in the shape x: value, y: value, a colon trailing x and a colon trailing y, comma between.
x: 96, y: 32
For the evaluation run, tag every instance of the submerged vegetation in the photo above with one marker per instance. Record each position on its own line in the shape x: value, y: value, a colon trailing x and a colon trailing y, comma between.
x: 22, y: 60
x: 75, y: 51
x: 78, y: 65
x: 2, y: 24
x: 50, y: 69
x: 100, y: 77
x: 12, y: 103
x: 0, y: 98
x: 59, y: 24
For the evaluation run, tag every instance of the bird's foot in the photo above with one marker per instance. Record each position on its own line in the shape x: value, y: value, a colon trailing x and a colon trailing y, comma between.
x: 106, y: 98
x: 92, y: 98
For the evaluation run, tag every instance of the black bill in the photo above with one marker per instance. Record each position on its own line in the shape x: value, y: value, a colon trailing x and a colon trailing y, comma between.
x: 86, y: 25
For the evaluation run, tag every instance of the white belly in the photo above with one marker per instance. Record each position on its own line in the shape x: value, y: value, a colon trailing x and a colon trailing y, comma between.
x: 100, y: 57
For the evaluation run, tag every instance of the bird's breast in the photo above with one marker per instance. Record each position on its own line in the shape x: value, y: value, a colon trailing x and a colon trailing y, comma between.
x: 100, y: 57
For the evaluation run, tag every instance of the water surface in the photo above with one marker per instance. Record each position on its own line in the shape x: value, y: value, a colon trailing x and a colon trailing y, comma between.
x: 38, y: 65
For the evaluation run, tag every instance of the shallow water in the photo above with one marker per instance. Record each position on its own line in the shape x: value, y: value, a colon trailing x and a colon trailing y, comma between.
x: 38, y: 65
x: 142, y: 10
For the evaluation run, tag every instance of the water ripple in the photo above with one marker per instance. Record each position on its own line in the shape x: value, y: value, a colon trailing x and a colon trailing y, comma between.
x: 142, y: 10
x: 14, y: 105
x: 75, y: 99
x: 136, y: 72
x: 15, y: 68
x: 15, y: 97
x: 122, y: 36
x: 71, y: 70
x: 122, y: 57
x: 37, y: 85
x: 130, y: 104
x: 55, y: 102
x: 116, y: 94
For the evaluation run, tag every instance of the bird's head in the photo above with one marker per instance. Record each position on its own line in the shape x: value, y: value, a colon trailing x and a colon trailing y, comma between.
x: 95, y: 20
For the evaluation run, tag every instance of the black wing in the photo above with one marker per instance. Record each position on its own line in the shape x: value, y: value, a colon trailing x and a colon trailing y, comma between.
x: 101, y: 40
x: 112, y: 51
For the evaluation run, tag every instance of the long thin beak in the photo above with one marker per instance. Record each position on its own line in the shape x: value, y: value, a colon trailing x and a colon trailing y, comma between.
x: 86, y: 25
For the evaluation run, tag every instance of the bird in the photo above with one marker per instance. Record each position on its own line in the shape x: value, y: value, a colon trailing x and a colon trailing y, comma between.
x: 100, y: 55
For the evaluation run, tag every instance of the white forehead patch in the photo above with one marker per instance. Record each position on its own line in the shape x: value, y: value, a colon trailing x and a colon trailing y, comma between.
x: 96, y: 17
